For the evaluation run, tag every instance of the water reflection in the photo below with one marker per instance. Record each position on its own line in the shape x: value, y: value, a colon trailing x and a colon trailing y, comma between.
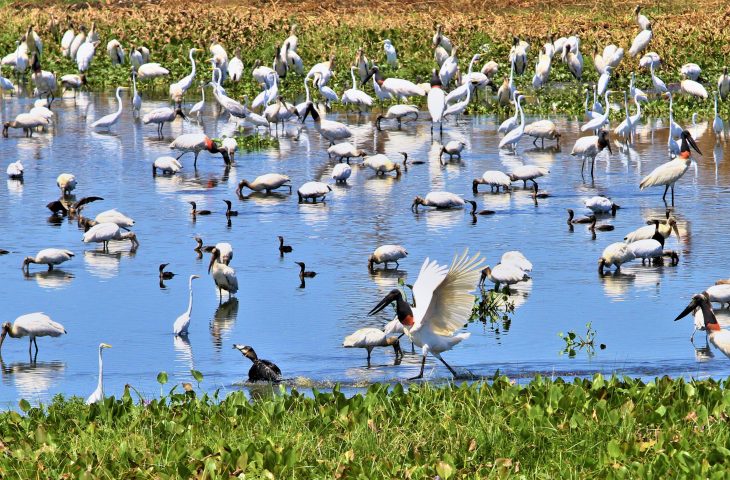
x: 55, y: 278
x: 183, y: 354
x: 32, y: 379
x: 223, y: 321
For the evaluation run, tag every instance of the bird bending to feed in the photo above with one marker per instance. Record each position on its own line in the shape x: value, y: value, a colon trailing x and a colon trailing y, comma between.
x: 167, y: 165
x: 495, y: 179
x: 616, y: 254
x: 438, y: 200
x: 261, y: 370
x: 98, y: 394
x: 369, y: 338
x: 31, y: 325
x: 195, y: 210
x: 313, y: 191
x: 163, y: 274
x: 345, y: 151
x: 180, y: 327
x: 717, y: 336
x: 196, y: 143
x: 105, y: 232
x: 503, y: 274
x: 443, y: 305
x: 223, y: 275
x: 341, y: 172
x: 303, y: 273
x: 453, y: 149
x: 398, y: 113
x: 48, y: 256
x: 284, y: 248
x: 266, y: 183
x: 668, y: 173
x: 601, y: 204
x: 386, y: 254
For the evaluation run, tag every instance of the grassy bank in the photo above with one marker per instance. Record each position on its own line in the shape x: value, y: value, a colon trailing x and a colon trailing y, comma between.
x: 682, y: 33
x: 547, y: 429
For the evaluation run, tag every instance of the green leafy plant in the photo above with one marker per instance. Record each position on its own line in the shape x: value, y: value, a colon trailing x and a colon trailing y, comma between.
x: 575, y: 342
x: 492, y: 307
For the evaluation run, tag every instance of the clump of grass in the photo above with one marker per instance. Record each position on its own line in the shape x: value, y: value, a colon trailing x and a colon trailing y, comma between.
x: 255, y: 142
x: 587, y: 428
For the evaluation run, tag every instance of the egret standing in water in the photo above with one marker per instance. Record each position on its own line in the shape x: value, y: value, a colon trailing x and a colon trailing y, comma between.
x: 108, y: 121
x: 98, y: 394
x: 180, y: 328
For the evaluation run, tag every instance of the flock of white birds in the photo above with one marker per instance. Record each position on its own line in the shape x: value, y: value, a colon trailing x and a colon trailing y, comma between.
x: 442, y: 295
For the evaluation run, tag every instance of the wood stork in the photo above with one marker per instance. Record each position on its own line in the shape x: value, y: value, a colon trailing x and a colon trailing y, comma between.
x: 223, y: 275
x: 600, y: 204
x: 381, y: 164
x: 441, y: 40
x: 543, y: 130
x: 77, y: 41
x: 459, y: 107
x: 575, y: 63
x: 395, y: 87
x: 354, y: 96
x: 603, y: 80
x: 438, y: 200
x: 345, y: 150
x: 180, y: 327
x: 452, y: 149
x: 503, y: 274
x: 641, y: 19
x: 719, y: 293
x: 98, y: 395
x: 25, y: 121
x: 641, y: 41
x: 150, y: 71
x: 616, y: 254
x: 517, y: 259
x: 162, y: 115
x: 668, y: 173
x: 528, y: 172
x: 167, y: 165
x: 717, y: 336
x: 261, y: 370
x: 73, y: 82
x: 648, y: 231
x: 48, y: 256
x: 449, y: 68
x: 596, y: 123
x: 31, y: 325
x: 518, y: 55
x: 590, y: 147
x: 443, y: 306
x: 322, y: 72
x: 105, y: 232
x: 66, y: 182
x: 115, y: 51
x: 493, y: 178
x: 313, y: 191
x: 265, y: 183
x: 369, y: 338
x: 15, y: 170
x: 235, y: 67
x: 437, y: 101
x: 398, y: 113
x: 66, y: 40
x: 330, y: 130
x: 717, y: 124
x: 513, y: 136
x: 196, y: 143
x: 652, y: 249
x: 341, y: 172
x: 116, y: 217
x: 108, y: 121
x: 44, y: 81
x: 386, y: 254
x: 723, y: 84
x: 391, y: 56
x: 363, y: 65
x: 85, y: 55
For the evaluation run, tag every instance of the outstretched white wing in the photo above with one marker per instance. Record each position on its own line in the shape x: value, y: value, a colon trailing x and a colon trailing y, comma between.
x: 443, y: 295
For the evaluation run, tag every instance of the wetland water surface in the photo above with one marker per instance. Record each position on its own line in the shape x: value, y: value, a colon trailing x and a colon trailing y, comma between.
x: 115, y: 297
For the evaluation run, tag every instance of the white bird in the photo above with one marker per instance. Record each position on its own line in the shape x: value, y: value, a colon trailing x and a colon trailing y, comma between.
x: 313, y: 191
x: 73, y: 82
x: 518, y: 55
x: 166, y: 164
x: 668, y: 173
x: 695, y: 89
x: 341, y: 172
x: 575, y: 62
x: 48, y: 256
x: 235, y: 67
x: 659, y: 85
x: 542, y: 130
x: 599, y: 121
x: 493, y: 178
x: 150, y: 71
x: 453, y: 148
x: 511, y: 123
x: 186, y: 82
x: 641, y: 19
x: 136, y: 97
x: 648, y: 231
x: 115, y: 51
x: 399, y: 113
x: 390, y: 54
x: 66, y: 182
x: 651, y: 59
x: 180, y: 327
x: 723, y: 84
x: 396, y: 87
x: 439, y: 200
x: 503, y: 274
x: 626, y: 128
x: 225, y: 251
x: 600, y: 204
x: 443, y: 305
x: 223, y: 275
x: 717, y: 336
x: 369, y: 338
x: 448, y: 68
x: 44, y: 81
x: 691, y: 71
x: 637, y: 94
x: 437, y: 101
x: 85, y: 55
x: 381, y: 164
x: 386, y: 254
x: 528, y: 172
x: 603, y: 80
x: 196, y: 143
x: 77, y: 41
x: 329, y: 129
x: 108, y: 121
x: 66, y: 40
x: 5, y: 84
x: 675, y: 130
x: 162, y: 115
x: 516, y: 259
x: 590, y: 147
x: 641, y: 41
x: 345, y: 150
x: 15, y: 170
x: 718, y: 125
x: 266, y: 183
x: 98, y: 395
x: 198, y: 107
x: 719, y: 293
x: 230, y: 145
x: 514, y: 136
x: 441, y: 40
x: 354, y: 96
x: 459, y: 107
x: 649, y: 249
x: 105, y: 232
x: 116, y: 217
x: 616, y: 254
x: 31, y: 325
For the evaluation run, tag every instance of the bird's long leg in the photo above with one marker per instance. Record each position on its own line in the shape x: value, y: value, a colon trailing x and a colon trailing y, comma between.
x: 453, y: 372
x: 35, y: 342
x: 30, y: 346
x: 423, y: 365
x: 195, y: 162
x: 582, y: 166
x: 672, y: 194
x: 664, y: 197
x: 593, y: 163
x: 369, y: 351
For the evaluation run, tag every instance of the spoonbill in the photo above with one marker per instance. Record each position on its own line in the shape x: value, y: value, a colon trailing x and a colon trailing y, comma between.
x: 266, y: 183
x: 590, y: 147
x: 313, y: 191
x: 261, y: 370
x: 48, y: 256
x: 31, y: 325
x: 223, y: 275
x: 386, y: 254
x: 108, y: 121
x: 438, y: 200
x: 668, y: 173
x: 180, y: 327
x: 443, y: 306
x: 369, y: 338
x: 98, y: 394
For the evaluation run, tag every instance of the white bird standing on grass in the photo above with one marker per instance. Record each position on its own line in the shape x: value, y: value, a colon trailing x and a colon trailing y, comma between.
x: 31, y: 325
x: 98, y: 395
x: 180, y: 327
x: 443, y: 305
x: 641, y: 41
x: 391, y: 55
x: 115, y: 51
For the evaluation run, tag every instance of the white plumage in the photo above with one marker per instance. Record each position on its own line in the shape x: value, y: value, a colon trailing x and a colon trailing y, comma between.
x: 266, y: 182
x: 15, y: 170
x: 651, y: 59
x: 98, y: 394
x: 693, y: 88
x: 495, y: 179
x: 516, y: 259
x: 108, y: 121
x: 542, y: 129
x: 150, y: 71
x: 32, y: 325
x: 224, y: 278
x: 106, y: 232
x: 167, y: 165
x: 513, y: 136
x: 329, y: 129
x: 235, y: 67
x: 116, y: 217
x: 718, y: 126
x: 599, y: 204
x: 391, y: 55
x: 381, y: 164
x: 691, y: 71
x: 344, y: 150
x: 341, y: 172
x: 646, y: 249
x: 528, y: 172
x: 50, y: 257
x: 180, y: 327
x: 719, y: 293
x: 442, y: 200
x: 369, y: 338
x: 66, y: 182
x: 66, y: 40
x: 448, y: 68
x: 641, y: 41
x: 616, y: 254
x: 115, y: 51
x: 504, y: 274
x: 313, y: 191
x: 76, y: 43
x: 85, y: 55
x: 353, y: 96
x: 387, y: 254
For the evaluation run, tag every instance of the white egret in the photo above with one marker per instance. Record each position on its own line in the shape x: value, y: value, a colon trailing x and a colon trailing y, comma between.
x: 718, y: 125
x: 449, y: 68
x: 513, y: 136
x: 31, y: 325
x: 180, y: 327
x: 98, y: 395
x: 637, y: 94
x: 391, y: 55
x: 354, y: 96
x: 396, y: 87
x: 329, y: 129
x: 197, y: 109
x: 459, y: 107
x: 599, y: 121
x: 108, y: 121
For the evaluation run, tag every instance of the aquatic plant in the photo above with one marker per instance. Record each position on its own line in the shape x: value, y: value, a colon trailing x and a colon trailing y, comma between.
x: 575, y: 342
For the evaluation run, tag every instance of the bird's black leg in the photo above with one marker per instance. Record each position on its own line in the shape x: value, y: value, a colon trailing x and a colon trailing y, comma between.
x: 35, y: 342
x: 369, y: 357
x: 423, y: 365
x: 672, y: 194
x: 453, y: 372
x: 664, y: 197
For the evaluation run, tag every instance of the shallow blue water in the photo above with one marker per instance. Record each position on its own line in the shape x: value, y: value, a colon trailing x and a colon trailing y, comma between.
x: 116, y: 298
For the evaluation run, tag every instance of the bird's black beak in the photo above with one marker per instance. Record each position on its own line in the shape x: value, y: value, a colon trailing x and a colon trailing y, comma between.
x: 608, y: 144
x: 692, y: 305
x: 390, y: 298
x: 370, y: 74
x: 212, y: 261
x: 692, y: 144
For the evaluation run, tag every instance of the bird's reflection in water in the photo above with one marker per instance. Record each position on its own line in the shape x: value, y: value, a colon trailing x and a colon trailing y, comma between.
x: 617, y: 284
x: 50, y: 278
x: 387, y: 278
x: 183, y: 354
x: 703, y: 353
x: 262, y: 198
x: 102, y: 264
x: 223, y: 321
x: 32, y: 379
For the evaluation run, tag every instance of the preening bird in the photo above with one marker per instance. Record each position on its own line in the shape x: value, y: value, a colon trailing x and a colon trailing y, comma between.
x: 370, y: 338
x: 180, y: 327
x: 261, y: 370
x: 443, y: 305
x: 98, y: 395
x: 31, y: 325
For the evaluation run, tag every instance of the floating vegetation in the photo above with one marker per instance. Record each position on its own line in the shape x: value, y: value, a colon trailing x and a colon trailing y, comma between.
x: 575, y: 342
x: 492, y: 307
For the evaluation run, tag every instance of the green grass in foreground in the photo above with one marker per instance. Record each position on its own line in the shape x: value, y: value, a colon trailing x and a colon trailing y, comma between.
x: 547, y: 429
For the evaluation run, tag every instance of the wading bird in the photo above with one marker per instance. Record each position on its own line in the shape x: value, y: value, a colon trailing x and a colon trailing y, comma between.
x: 313, y: 191
x: 438, y: 200
x: 108, y: 121
x: 495, y: 179
x: 261, y: 370
x: 398, y: 113
x: 31, y: 325
x: 386, y: 254
x: 166, y: 165
x: 616, y: 254
x: 590, y: 147
x: 452, y: 149
x: 330, y: 130
x: 668, y: 173
x: 223, y: 275
x: 180, y: 327
x: 443, y: 306
x: 98, y: 395
x: 503, y: 274
x: 345, y: 151
x: 162, y: 115
x: 196, y: 143
x: 370, y: 338
x: 717, y: 336
x: 265, y: 183
x: 341, y: 172
x: 395, y: 87
x: 105, y: 232
x: 48, y: 256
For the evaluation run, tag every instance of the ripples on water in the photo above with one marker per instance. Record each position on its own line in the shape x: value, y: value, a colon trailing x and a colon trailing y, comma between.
x: 115, y: 297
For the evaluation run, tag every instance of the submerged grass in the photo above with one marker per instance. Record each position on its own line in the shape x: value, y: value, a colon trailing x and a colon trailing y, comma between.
x: 682, y: 33
x: 615, y: 428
